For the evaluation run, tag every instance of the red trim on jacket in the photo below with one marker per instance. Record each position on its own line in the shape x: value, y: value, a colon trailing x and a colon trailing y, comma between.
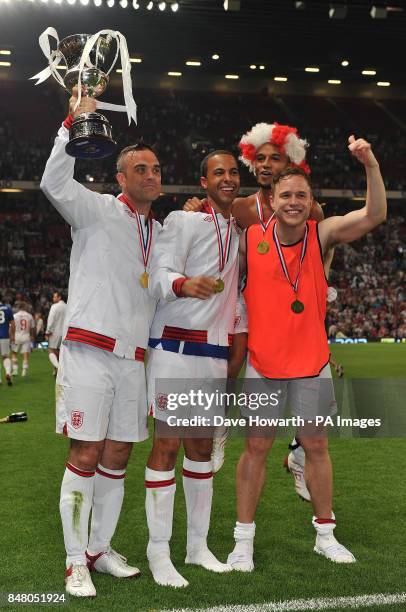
x: 177, y: 286
x: 155, y: 484
x: 197, y: 475
x: 68, y: 121
x: 107, y: 475
x: 188, y: 335
x: 75, y: 470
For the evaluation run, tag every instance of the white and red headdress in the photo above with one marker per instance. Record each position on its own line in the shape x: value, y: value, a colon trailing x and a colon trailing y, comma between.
x: 284, y: 137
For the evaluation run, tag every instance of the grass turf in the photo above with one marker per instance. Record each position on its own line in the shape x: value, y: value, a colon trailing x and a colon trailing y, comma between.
x: 369, y: 499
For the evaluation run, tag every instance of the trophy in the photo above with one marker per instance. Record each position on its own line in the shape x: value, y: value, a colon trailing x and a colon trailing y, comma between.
x: 86, y: 57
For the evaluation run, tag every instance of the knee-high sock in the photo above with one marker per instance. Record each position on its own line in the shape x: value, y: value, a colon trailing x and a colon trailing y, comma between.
x: 15, y: 364
x: 108, y: 498
x: 54, y: 360
x: 198, y: 488
x: 75, y: 504
x: 7, y: 365
x: 160, y: 496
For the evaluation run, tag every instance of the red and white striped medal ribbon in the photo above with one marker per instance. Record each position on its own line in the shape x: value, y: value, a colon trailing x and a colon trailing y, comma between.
x: 224, y: 251
x: 297, y: 306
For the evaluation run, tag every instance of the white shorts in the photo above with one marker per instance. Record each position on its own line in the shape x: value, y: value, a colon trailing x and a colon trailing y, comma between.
x: 171, y: 374
x: 21, y: 347
x: 5, y: 347
x: 54, y: 342
x: 100, y: 396
x: 306, y: 397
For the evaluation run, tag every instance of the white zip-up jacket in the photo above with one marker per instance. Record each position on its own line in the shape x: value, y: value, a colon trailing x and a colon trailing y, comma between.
x: 187, y: 247
x: 56, y: 318
x: 107, y: 306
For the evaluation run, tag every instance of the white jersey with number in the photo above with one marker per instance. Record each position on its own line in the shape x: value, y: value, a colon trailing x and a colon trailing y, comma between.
x: 107, y: 306
x: 56, y: 319
x: 24, y: 323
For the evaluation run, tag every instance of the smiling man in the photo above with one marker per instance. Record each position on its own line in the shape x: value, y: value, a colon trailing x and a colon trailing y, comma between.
x: 194, y: 273
x: 285, y: 295
x: 102, y: 405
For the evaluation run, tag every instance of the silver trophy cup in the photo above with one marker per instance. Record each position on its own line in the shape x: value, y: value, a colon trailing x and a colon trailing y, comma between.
x: 90, y: 135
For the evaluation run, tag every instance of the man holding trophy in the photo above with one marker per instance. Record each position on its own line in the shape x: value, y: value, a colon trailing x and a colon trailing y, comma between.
x: 102, y: 404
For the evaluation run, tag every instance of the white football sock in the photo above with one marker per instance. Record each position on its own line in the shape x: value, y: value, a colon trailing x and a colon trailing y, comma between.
x: 15, y: 365
x: 7, y: 365
x: 159, y: 500
x: 54, y: 360
x: 242, y: 556
x: 75, y: 504
x: 198, y: 488
x: 108, y: 498
x: 25, y: 369
x: 160, y: 496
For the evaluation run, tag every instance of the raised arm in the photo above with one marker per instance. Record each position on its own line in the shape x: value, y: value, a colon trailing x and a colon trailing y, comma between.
x: 357, y: 223
x: 79, y: 206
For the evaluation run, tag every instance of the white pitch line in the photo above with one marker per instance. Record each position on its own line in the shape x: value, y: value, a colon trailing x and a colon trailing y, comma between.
x: 297, y: 605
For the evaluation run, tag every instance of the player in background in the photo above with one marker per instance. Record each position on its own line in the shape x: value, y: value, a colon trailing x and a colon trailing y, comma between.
x: 102, y: 405
x: 7, y: 332
x: 24, y: 336
x: 194, y: 273
x: 54, y: 329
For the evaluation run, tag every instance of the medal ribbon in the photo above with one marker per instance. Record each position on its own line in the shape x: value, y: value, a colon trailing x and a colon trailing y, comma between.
x: 224, y: 253
x: 294, y: 285
x: 144, y: 235
x: 261, y: 215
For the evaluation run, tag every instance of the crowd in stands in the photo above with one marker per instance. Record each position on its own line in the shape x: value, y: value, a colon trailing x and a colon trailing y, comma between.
x: 183, y: 126
x: 369, y: 275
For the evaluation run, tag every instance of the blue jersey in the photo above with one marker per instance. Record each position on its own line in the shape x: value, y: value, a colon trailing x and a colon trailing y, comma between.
x: 6, y: 315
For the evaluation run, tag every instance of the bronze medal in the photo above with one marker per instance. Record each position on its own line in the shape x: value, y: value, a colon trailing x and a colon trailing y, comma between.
x: 263, y: 247
x: 297, y: 306
x: 144, y: 279
x: 219, y: 285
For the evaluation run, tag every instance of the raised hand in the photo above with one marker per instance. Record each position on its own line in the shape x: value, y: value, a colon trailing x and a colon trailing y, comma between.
x: 361, y: 149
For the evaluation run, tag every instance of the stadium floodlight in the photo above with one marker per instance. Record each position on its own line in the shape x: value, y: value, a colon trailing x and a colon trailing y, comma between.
x: 5, y: 64
x: 233, y: 77
x: 97, y: 2
x: 215, y: 56
x: 280, y: 78
x: 135, y: 60
x: 5, y: 52
x: 174, y: 73
x: 175, y: 6
x: 150, y: 6
x: 383, y: 84
x: 193, y: 63
x: 71, y: 1
x: 345, y: 63
x: 378, y: 12
x: 232, y: 5
x: 110, y: 3
x: 162, y: 6
x: 334, y: 82
x: 312, y: 69
x: 136, y: 6
x: 300, y: 6
x: 60, y: 67
x: 58, y: 1
x: 262, y: 67
x: 84, y: 2
x: 253, y: 66
x: 369, y: 72
x: 337, y: 11
x: 124, y: 4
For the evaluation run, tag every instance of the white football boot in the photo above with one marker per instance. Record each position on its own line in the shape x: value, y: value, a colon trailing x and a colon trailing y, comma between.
x: 295, y: 464
x: 111, y: 562
x: 78, y: 582
x: 327, y: 545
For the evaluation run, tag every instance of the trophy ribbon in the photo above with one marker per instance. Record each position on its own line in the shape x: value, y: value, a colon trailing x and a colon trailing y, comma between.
x: 53, y: 58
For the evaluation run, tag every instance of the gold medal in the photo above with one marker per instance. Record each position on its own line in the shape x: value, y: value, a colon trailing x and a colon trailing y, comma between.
x: 219, y: 285
x: 297, y: 306
x: 144, y: 279
x: 263, y: 247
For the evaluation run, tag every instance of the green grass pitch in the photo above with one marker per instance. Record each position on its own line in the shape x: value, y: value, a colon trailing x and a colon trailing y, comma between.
x: 369, y: 503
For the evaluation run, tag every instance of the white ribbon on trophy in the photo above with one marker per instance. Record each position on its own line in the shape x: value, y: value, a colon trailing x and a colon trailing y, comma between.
x: 54, y: 58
